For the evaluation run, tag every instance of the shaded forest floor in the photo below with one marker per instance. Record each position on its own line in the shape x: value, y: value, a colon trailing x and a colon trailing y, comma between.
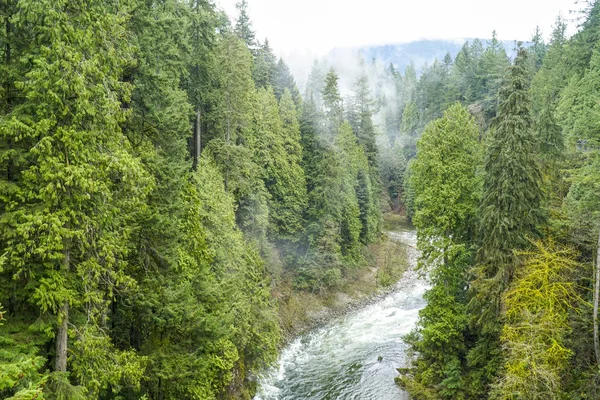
x: 385, y: 262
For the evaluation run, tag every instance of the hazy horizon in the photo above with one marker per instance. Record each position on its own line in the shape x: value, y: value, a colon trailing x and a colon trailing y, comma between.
x: 297, y: 28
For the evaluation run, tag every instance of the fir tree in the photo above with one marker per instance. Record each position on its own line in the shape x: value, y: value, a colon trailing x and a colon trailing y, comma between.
x: 265, y: 66
x: 69, y: 215
x: 510, y: 213
x: 360, y: 111
x: 243, y: 26
x: 283, y: 80
x: 332, y: 104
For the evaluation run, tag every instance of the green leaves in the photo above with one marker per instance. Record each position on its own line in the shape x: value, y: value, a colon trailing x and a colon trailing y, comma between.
x: 446, y: 181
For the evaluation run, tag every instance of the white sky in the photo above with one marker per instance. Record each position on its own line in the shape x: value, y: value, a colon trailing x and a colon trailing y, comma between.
x: 317, y: 26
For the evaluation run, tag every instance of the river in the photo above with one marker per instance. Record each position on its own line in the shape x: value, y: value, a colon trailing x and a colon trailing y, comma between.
x: 353, y: 357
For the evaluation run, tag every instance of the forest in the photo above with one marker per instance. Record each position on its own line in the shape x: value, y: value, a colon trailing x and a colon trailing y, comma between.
x: 162, y: 177
x: 160, y: 173
x: 505, y: 193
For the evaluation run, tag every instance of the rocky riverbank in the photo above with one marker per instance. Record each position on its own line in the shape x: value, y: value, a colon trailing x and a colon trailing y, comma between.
x: 391, y: 269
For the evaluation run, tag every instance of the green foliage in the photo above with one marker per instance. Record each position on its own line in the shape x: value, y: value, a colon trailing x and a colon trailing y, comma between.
x: 20, y: 365
x: 360, y: 116
x: 537, y: 308
x: 447, y: 183
x: 343, y: 210
x: 137, y: 267
x: 265, y: 66
x: 332, y: 105
x: 510, y: 212
x: 282, y: 80
x: 392, y: 166
x: 243, y: 26
x: 523, y: 330
x: 102, y: 221
x: 231, y: 98
x: 69, y: 213
x: 410, y: 123
x: 510, y: 209
x: 275, y: 145
x: 447, y: 186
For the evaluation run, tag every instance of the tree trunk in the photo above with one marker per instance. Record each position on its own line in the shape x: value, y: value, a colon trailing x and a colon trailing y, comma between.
x: 197, y: 141
x: 596, y: 295
x: 61, y: 339
x: 63, y: 315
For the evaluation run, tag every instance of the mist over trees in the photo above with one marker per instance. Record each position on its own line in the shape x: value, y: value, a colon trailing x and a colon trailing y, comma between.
x: 162, y: 177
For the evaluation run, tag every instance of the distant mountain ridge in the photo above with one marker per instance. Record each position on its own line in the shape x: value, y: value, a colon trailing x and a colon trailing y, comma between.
x: 420, y: 52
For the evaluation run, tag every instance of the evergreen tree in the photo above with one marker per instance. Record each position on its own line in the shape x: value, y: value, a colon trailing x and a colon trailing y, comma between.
x: 283, y: 80
x: 315, y: 84
x: 276, y: 149
x: 538, y: 50
x: 243, y: 26
x: 265, y: 66
x: 332, y: 104
x: 392, y: 166
x: 510, y: 212
x: 68, y: 215
x: 545, y: 89
x: 446, y: 182
x: 577, y: 113
x: 536, y: 330
x: 493, y: 64
x: 409, y: 129
x: 360, y: 112
x: 202, y: 24
x: 232, y: 95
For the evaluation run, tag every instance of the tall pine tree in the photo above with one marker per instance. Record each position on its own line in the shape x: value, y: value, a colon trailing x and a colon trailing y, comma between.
x: 510, y: 214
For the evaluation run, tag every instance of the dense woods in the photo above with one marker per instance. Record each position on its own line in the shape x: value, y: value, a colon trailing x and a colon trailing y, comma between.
x: 162, y: 177
x: 504, y: 191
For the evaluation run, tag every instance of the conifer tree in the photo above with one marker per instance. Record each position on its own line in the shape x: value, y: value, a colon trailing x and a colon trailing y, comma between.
x: 243, y: 26
x: 332, y: 104
x: 447, y: 186
x: 510, y: 213
x: 265, y: 66
x: 201, y: 52
x: 232, y: 95
x: 360, y: 112
x: 538, y: 50
x: 409, y: 129
x: 276, y: 149
x: 536, y: 330
x: 315, y: 84
x: 493, y: 64
x: 69, y: 214
x: 577, y: 112
x: 283, y: 80
x: 546, y: 87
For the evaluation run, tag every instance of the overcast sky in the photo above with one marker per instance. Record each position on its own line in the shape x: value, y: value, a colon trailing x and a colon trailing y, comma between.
x: 320, y: 25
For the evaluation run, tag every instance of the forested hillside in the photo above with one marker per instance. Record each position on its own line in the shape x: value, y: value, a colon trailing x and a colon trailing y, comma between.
x: 162, y: 179
x: 505, y: 193
x: 159, y: 175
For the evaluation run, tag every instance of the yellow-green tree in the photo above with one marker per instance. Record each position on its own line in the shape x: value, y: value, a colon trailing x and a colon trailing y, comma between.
x: 536, y: 326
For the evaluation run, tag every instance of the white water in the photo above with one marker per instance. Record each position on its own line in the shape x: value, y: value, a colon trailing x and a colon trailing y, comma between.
x: 341, y: 359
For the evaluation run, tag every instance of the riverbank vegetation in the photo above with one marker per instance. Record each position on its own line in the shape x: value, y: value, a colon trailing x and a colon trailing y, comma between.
x: 160, y: 178
x: 301, y: 310
x: 170, y: 203
x: 504, y: 191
